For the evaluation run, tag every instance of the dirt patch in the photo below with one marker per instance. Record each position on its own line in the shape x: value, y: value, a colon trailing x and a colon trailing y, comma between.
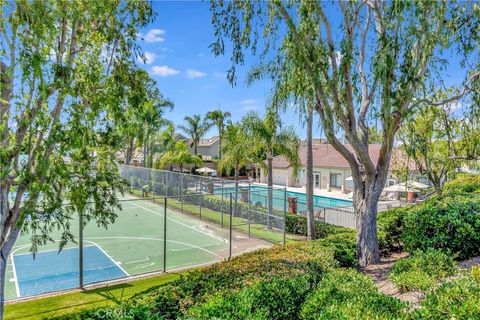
x: 379, y: 272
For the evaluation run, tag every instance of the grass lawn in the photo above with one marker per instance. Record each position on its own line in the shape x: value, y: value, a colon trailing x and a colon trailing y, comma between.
x: 72, y: 302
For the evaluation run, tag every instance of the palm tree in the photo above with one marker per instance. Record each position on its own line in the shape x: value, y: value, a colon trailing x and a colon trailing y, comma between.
x: 267, y: 134
x: 236, y: 150
x: 178, y: 155
x: 167, y: 142
x: 218, y: 118
x: 195, y: 128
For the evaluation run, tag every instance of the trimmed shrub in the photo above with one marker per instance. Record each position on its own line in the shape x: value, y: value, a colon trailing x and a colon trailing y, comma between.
x: 457, y: 299
x: 276, y: 298
x: 463, y: 184
x: 423, y: 270
x: 308, y: 259
x: 343, y: 247
x: 297, y: 224
x: 390, y: 228
x: 451, y: 224
x: 348, y: 294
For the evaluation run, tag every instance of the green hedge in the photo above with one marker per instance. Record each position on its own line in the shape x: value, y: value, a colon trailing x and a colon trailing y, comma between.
x: 276, y: 298
x: 297, y: 224
x: 423, y: 270
x: 343, y: 246
x: 390, y: 228
x: 451, y: 224
x: 309, y: 259
x: 348, y: 294
x: 463, y: 184
x: 455, y: 299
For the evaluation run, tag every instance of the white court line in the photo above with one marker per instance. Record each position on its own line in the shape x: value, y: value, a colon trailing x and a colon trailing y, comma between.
x: 155, y: 239
x: 108, y: 256
x: 44, y: 251
x: 181, y: 223
x: 17, y: 288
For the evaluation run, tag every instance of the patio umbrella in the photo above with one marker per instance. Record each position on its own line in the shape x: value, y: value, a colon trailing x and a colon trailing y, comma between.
x: 205, y: 170
x: 408, y: 186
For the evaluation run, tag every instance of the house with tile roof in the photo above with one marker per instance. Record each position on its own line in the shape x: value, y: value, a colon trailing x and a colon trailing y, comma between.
x: 331, y: 171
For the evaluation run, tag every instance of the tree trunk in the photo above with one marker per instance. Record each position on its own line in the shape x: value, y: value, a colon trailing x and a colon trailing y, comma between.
x: 270, y: 189
x: 438, y: 188
x: 128, y: 153
x: 219, y: 145
x: 145, y: 155
x: 365, y: 208
x: 8, y: 229
x: 309, y: 178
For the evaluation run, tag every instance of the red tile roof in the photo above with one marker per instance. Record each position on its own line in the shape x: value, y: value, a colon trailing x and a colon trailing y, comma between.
x: 324, y: 155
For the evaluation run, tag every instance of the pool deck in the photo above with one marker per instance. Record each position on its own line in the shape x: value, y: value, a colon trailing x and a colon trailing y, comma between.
x: 383, y: 204
x: 318, y: 192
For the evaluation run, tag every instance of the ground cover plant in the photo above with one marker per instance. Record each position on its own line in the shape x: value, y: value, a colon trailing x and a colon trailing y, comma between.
x: 423, y: 270
x: 348, y: 294
x: 455, y: 299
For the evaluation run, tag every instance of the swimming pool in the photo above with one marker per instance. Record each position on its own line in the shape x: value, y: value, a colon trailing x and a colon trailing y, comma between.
x: 259, y: 196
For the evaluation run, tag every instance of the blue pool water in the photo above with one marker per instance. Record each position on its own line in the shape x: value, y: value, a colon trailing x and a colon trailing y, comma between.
x: 259, y: 196
x: 52, y: 271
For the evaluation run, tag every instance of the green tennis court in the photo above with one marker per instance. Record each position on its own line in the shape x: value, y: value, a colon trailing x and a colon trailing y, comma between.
x: 134, y: 243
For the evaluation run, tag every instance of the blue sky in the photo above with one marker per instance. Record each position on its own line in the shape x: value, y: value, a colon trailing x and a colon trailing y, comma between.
x: 190, y: 75
x: 179, y: 59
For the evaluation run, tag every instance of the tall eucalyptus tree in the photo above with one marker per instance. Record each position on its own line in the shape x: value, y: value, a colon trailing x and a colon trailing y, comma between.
x: 375, y: 60
x: 59, y: 115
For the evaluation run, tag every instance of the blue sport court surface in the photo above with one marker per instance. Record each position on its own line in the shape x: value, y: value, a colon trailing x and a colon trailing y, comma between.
x: 52, y: 270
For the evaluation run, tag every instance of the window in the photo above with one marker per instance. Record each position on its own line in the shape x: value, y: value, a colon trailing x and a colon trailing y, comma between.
x: 316, y: 180
x: 336, y: 180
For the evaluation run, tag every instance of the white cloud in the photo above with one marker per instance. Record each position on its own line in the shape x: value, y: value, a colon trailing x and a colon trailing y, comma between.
x: 149, y: 57
x: 154, y: 35
x: 164, y: 71
x: 200, y: 55
x: 193, y: 74
x: 248, y: 102
x: 250, y: 108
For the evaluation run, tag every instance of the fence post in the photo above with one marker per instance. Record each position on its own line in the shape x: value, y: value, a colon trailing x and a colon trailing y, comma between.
x: 223, y: 207
x: 201, y: 202
x: 80, y: 251
x: 248, y: 213
x: 230, y: 242
x: 181, y: 190
x: 165, y: 235
x: 284, y: 215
